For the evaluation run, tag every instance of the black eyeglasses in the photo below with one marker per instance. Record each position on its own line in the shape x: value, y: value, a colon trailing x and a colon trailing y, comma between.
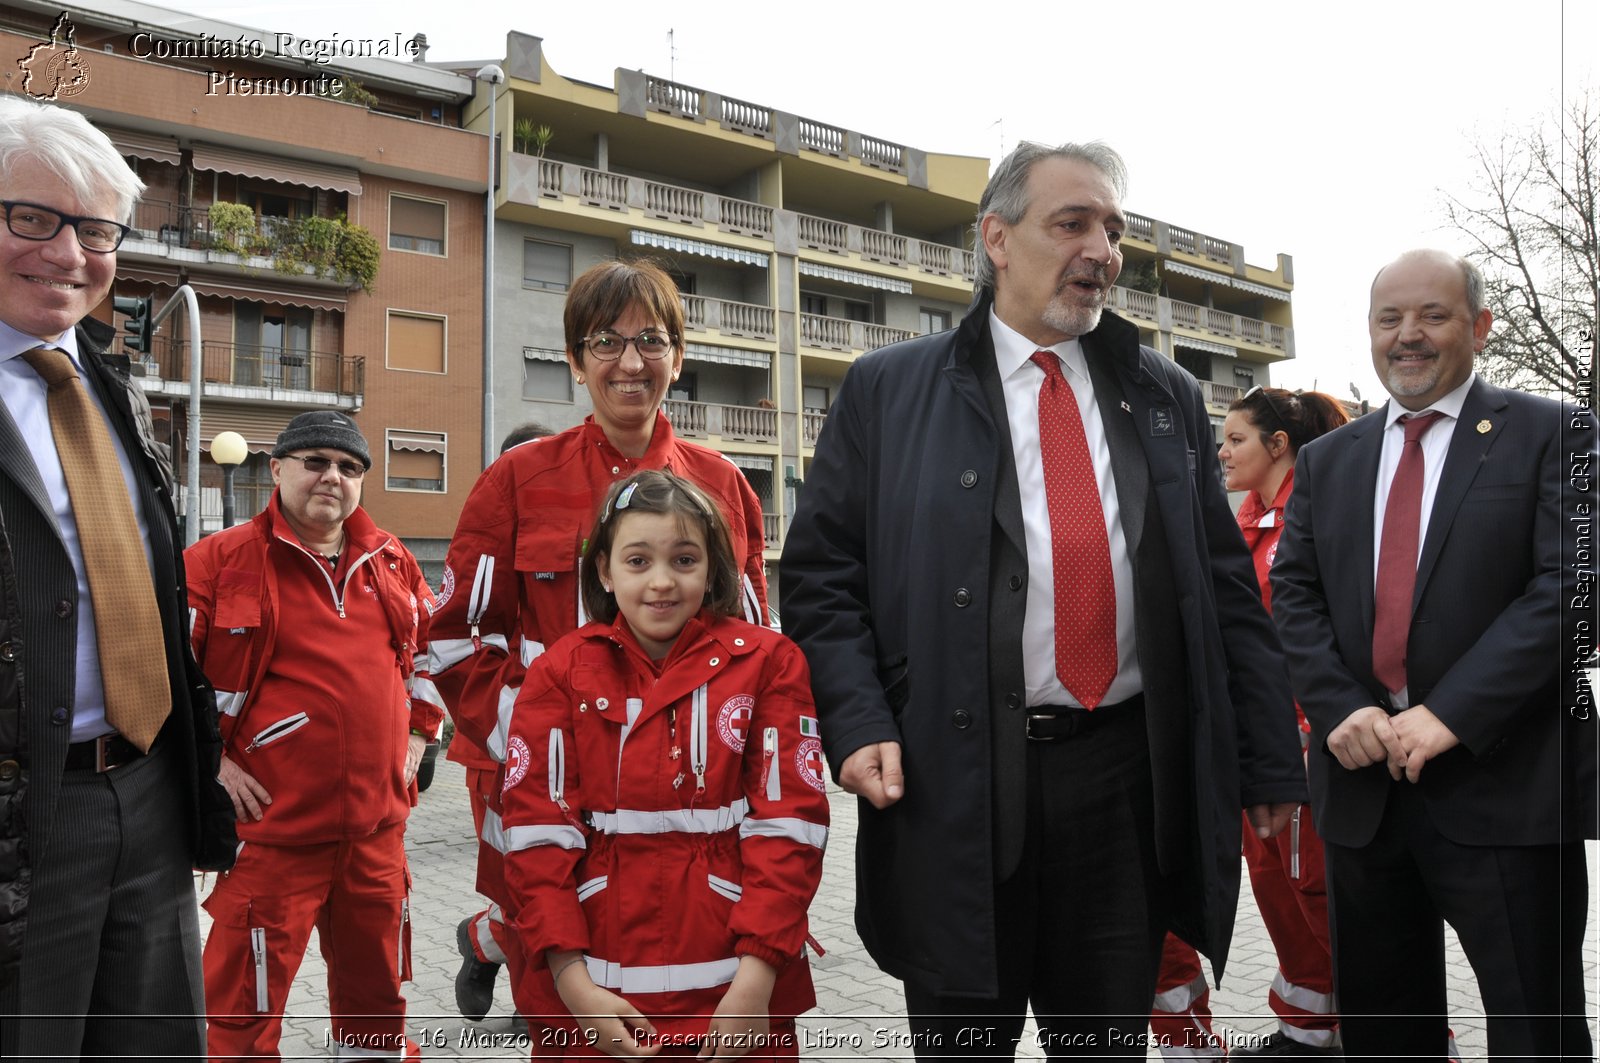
x: 1283, y: 426
x: 608, y: 346
x: 317, y: 464
x: 33, y: 222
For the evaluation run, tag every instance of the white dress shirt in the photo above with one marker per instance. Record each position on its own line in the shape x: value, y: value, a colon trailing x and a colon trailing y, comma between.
x: 1435, y: 446
x: 24, y: 394
x: 1020, y: 381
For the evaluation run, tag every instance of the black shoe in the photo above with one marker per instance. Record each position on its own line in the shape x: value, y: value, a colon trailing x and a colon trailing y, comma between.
x: 475, y: 980
x: 1281, y: 1046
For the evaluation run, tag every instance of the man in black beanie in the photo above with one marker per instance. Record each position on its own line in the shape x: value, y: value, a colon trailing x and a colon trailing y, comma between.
x: 307, y: 622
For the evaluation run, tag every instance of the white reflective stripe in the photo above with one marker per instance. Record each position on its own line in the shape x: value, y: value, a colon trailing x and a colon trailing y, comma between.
x: 796, y: 830
x: 530, y: 650
x: 731, y: 890
x: 258, y: 949
x: 559, y: 835
x: 752, y: 604
x: 1179, y: 999
x: 400, y: 939
x: 482, y: 582
x: 422, y: 689
x: 1301, y: 998
x: 496, y: 746
x: 671, y: 978
x: 229, y: 702
x: 769, y: 752
x: 353, y: 1052
x: 194, y: 618
x: 483, y: 935
x: 590, y: 888
x: 698, y: 734
x: 583, y: 615
x: 444, y: 654
x: 671, y: 821
x: 558, y: 764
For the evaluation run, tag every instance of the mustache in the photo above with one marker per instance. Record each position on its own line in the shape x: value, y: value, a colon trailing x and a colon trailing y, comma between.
x: 1100, y: 275
x: 1400, y: 349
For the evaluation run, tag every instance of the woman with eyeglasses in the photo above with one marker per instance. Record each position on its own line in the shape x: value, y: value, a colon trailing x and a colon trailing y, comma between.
x: 1263, y: 432
x: 511, y: 583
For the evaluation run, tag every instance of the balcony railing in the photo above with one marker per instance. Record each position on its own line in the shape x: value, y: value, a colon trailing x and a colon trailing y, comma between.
x: 172, y: 224
x: 730, y: 318
x: 615, y: 191
x: 1147, y: 307
x: 811, y: 427
x: 750, y: 423
x: 841, y: 238
x: 839, y: 334
x: 771, y: 530
x: 273, y: 368
x: 1220, y: 394
x: 1144, y: 305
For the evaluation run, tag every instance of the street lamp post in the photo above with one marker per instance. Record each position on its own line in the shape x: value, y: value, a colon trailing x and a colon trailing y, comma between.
x: 229, y: 451
x: 493, y: 76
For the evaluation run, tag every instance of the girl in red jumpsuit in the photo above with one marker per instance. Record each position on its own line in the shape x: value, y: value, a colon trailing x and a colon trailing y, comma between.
x: 663, y: 805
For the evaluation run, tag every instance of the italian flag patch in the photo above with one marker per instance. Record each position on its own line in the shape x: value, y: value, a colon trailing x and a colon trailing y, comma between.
x: 808, y: 726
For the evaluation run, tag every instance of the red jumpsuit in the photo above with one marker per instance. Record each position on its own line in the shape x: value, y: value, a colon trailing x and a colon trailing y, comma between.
x: 311, y: 665
x: 1286, y: 873
x: 666, y: 820
x: 511, y: 589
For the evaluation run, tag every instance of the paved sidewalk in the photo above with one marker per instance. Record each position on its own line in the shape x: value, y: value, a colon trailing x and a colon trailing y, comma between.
x: 860, y: 1009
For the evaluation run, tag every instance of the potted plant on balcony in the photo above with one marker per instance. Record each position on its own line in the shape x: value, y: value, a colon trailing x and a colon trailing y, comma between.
x: 529, y: 139
x: 233, y: 229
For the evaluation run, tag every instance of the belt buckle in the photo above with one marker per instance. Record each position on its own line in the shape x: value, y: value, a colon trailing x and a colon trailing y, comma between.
x: 100, y: 746
x: 1038, y: 738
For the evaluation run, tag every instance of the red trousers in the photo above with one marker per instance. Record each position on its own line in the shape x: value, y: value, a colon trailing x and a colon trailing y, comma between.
x: 1294, y: 909
x: 357, y: 894
x: 1180, y: 1016
x: 492, y: 940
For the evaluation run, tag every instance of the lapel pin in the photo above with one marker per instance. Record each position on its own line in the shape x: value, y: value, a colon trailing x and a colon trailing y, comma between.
x: 1125, y: 407
x: 1484, y: 426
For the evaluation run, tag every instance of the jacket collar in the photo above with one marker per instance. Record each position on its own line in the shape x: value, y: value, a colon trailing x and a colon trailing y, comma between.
x: 662, y: 444
x: 1113, y: 337
x: 360, y: 533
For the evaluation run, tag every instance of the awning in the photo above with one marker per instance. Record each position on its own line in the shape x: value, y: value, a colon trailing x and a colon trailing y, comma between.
x: 160, y: 278
x: 407, y: 441
x: 758, y: 462
x: 145, y: 145
x: 276, y: 168
x: 1209, y: 276
x: 646, y: 238
x: 544, y: 354
x: 855, y: 276
x: 282, y: 294
x: 260, y: 427
x: 1204, y: 345
x: 705, y: 352
x: 1261, y: 289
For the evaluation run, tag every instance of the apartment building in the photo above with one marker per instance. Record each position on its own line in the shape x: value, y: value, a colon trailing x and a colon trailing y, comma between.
x: 798, y: 245
x: 335, y: 242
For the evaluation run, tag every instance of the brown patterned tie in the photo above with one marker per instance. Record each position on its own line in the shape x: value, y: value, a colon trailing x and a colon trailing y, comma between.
x: 133, y: 660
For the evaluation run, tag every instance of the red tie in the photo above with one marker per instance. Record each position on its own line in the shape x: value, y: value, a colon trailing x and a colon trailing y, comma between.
x: 1080, y: 553
x: 1397, y: 558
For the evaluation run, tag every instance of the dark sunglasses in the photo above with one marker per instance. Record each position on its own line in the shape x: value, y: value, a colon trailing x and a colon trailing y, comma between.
x: 317, y: 465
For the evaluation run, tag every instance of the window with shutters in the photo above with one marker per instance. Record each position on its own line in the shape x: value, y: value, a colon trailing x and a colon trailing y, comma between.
x: 417, y: 225
x: 416, y: 342
x: 546, y: 266
x: 415, y: 460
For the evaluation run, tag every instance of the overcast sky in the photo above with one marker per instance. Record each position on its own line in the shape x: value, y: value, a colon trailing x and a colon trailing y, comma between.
x: 1324, y: 131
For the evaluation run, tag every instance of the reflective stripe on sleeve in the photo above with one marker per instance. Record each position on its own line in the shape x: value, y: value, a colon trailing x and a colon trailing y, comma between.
x: 447, y: 653
x: 482, y: 583
x: 796, y: 830
x: 530, y: 651
x: 496, y: 745
x: 510, y: 839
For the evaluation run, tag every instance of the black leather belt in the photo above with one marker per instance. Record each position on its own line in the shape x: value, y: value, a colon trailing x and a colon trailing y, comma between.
x: 1052, y: 723
x: 101, y: 754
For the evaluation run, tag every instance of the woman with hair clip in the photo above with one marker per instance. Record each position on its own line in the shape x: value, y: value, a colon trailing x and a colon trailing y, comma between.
x: 1263, y: 432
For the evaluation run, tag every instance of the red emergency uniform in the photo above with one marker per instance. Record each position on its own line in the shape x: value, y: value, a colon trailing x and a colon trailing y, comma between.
x: 1180, y: 1015
x: 511, y: 589
x: 1286, y: 872
x: 666, y: 819
x: 311, y: 663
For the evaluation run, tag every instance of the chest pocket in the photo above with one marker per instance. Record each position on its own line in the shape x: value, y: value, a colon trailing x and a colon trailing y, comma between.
x: 238, y: 601
x: 548, y: 560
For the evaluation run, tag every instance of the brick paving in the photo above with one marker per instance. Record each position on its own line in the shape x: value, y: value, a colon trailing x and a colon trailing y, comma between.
x: 859, y: 1013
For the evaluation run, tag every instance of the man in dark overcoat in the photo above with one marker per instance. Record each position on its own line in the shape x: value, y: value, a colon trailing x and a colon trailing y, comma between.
x: 1037, y: 647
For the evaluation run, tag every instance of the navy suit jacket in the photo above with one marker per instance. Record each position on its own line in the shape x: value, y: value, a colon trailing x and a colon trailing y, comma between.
x: 1492, y: 625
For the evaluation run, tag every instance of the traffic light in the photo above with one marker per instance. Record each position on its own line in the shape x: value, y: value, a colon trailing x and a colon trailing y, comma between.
x: 140, y: 325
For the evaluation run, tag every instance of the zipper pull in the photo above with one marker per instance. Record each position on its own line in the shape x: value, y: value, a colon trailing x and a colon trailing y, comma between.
x: 477, y: 643
x: 769, y: 753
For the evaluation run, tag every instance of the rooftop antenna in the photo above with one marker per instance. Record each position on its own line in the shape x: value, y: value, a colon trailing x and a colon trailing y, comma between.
x: 1000, y: 123
x: 672, y: 55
